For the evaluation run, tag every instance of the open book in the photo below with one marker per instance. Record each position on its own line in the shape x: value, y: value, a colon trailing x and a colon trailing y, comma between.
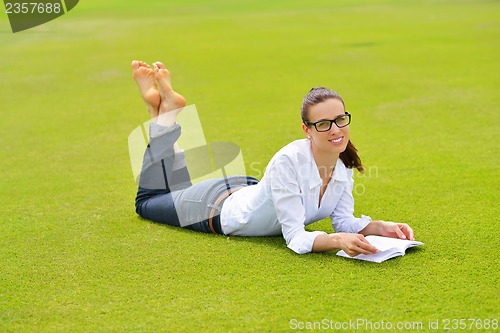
x: 388, y: 247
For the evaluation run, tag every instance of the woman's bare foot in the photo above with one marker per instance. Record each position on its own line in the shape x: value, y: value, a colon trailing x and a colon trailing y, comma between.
x: 171, y: 102
x: 144, y: 75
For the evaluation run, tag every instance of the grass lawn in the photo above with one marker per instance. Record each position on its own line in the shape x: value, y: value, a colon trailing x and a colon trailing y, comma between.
x: 420, y: 79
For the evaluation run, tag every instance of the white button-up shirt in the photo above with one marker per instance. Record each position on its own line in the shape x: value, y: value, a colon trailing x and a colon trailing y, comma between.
x: 287, y: 199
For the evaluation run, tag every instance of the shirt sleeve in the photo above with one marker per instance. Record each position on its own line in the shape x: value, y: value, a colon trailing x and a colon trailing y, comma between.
x: 343, y: 219
x: 289, y: 206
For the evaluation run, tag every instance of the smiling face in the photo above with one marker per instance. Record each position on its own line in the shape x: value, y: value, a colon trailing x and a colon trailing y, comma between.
x: 330, y: 142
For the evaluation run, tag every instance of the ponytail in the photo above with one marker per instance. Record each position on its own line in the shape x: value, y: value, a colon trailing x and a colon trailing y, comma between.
x: 351, y: 158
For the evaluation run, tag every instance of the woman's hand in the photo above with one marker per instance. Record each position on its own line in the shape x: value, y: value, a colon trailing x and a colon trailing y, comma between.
x: 353, y: 244
x: 389, y: 229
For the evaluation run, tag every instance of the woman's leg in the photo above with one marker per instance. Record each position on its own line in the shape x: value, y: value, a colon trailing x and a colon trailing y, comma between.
x: 165, y: 192
x: 199, y: 206
x: 163, y: 169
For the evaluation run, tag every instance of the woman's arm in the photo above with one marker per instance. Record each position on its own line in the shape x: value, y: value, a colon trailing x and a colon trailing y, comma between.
x: 354, y: 244
x: 284, y: 180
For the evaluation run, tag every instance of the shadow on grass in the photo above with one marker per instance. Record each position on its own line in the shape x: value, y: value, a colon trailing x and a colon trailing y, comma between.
x: 278, y: 243
x: 275, y: 243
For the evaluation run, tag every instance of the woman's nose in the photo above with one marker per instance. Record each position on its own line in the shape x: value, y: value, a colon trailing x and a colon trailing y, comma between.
x: 334, y: 129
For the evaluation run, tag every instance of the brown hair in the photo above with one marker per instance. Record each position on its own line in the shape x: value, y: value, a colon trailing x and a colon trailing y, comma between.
x: 320, y: 94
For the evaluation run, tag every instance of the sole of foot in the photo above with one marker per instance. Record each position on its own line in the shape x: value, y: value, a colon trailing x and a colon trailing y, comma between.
x: 171, y: 102
x: 145, y: 78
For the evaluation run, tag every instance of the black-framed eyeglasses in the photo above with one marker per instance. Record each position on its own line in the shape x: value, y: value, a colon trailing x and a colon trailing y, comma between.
x: 326, y: 125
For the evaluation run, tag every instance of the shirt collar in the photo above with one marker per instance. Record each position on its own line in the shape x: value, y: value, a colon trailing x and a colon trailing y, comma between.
x: 315, y: 179
x: 339, y: 174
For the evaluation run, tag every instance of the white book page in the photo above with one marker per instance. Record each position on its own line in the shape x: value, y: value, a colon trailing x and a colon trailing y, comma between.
x: 388, y: 247
x: 386, y: 243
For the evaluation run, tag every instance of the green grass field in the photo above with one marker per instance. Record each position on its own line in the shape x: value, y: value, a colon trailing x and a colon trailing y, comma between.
x: 420, y: 79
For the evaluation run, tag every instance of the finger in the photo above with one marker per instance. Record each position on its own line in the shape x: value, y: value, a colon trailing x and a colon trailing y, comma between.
x: 360, y: 245
x: 356, y: 250
x: 365, y: 251
x: 365, y: 247
x: 360, y: 250
x: 399, y: 232
x: 409, y: 232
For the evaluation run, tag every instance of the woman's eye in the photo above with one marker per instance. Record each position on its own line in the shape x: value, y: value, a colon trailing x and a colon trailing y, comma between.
x: 323, y: 124
x: 341, y: 120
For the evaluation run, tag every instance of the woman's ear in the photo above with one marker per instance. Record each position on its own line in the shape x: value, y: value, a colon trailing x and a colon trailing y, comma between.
x: 306, y: 130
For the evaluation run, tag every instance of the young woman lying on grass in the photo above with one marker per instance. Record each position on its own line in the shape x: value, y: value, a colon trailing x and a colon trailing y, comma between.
x: 305, y: 181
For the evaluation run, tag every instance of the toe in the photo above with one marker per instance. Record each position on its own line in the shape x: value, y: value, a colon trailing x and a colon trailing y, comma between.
x: 135, y: 64
x: 162, y: 75
x: 160, y: 65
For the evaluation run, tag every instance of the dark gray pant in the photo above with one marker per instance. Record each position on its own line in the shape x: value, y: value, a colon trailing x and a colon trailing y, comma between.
x: 166, y: 195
